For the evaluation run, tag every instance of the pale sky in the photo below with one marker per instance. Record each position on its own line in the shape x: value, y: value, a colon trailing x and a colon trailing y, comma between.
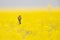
x: 28, y: 3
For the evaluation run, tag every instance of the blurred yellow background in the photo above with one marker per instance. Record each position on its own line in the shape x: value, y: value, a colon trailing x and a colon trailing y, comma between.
x: 36, y: 24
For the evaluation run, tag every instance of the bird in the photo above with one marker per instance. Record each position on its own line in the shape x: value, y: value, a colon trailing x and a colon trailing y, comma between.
x: 19, y: 19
